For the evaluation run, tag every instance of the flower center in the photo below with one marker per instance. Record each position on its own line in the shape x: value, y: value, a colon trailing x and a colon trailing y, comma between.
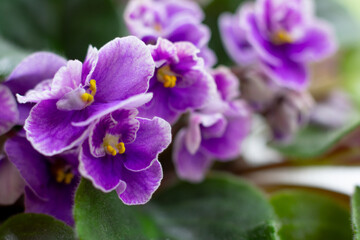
x: 62, y: 172
x: 282, y: 37
x: 157, y: 27
x: 166, y: 76
x: 88, y: 96
x: 113, y: 145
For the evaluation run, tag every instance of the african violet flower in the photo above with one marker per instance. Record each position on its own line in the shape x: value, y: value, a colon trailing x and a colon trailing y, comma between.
x: 215, y: 136
x: 284, y: 35
x: 122, y: 154
x: 179, y: 83
x: 116, y: 76
x: 170, y: 19
x: 50, y: 181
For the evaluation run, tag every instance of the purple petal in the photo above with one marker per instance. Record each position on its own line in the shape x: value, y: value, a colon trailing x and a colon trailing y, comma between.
x: 153, y: 137
x: 163, y: 51
x: 234, y: 39
x: 189, y: 30
x: 32, y: 70
x: 97, y: 110
x: 289, y: 74
x: 193, y: 96
x: 318, y: 43
x: 193, y: 134
x: 104, y: 172
x: 185, y: 7
x: 11, y: 183
x: 191, y: 167
x: 140, y: 185
x: 159, y: 105
x: 9, y: 114
x: 89, y: 65
x: 67, y: 79
x: 50, y: 131
x: 126, y: 125
x: 227, y: 146
x: 58, y: 205
x: 40, y: 92
x: 213, y: 126
x: 209, y: 56
x: 227, y: 83
x: 31, y: 165
x: 264, y: 48
x: 24, y: 111
x: 124, y: 69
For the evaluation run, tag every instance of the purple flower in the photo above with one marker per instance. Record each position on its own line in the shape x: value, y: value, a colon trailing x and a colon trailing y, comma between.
x: 170, y: 19
x: 234, y: 38
x: 116, y: 76
x: 179, y: 83
x: 122, y: 154
x: 35, y: 71
x: 9, y: 114
x: 284, y: 35
x: 50, y: 181
x: 215, y: 136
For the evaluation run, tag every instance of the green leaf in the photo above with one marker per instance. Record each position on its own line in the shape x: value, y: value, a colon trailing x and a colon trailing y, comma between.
x: 306, y: 215
x: 219, y: 208
x: 104, y: 216
x: 313, y: 141
x: 10, y: 56
x: 64, y: 26
x: 35, y: 227
x: 355, y: 213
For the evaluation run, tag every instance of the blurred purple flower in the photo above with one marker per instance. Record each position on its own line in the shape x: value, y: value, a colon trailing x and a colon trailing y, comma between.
x: 180, y: 81
x: 116, y: 76
x: 9, y: 114
x: 288, y: 114
x: 122, y: 154
x: 333, y: 111
x: 35, y: 71
x: 11, y: 183
x: 212, y: 136
x: 170, y: 19
x: 284, y: 35
x: 50, y: 181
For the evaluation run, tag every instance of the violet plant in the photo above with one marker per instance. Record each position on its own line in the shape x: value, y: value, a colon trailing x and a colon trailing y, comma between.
x: 185, y: 119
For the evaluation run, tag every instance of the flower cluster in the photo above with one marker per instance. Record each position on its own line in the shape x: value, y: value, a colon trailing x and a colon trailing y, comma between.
x: 283, y: 36
x: 108, y: 118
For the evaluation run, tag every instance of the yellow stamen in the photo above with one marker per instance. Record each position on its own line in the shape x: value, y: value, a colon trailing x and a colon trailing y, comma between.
x: 169, y: 81
x: 68, y: 178
x: 167, y: 77
x: 111, y: 150
x: 121, y: 147
x: 93, y: 86
x: 282, y: 37
x: 86, y: 97
x: 60, y: 175
x: 158, y: 27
